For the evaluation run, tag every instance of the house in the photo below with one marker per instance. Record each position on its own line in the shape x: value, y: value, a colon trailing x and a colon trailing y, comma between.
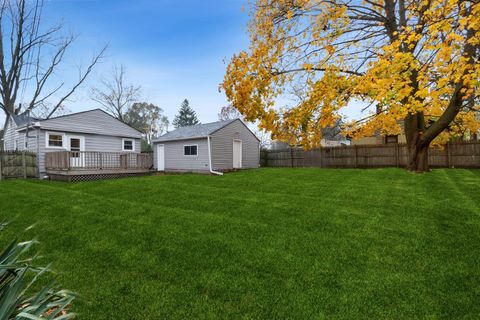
x: 379, y: 139
x: 83, y: 143
x: 281, y: 145
x: 210, y: 148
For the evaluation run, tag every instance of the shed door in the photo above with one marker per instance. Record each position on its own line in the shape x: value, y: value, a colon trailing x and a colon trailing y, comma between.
x: 160, y: 157
x: 237, y: 154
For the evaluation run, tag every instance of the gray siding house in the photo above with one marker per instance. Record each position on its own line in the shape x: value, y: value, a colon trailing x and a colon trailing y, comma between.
x: 209, y: 148
x: 78, y: 133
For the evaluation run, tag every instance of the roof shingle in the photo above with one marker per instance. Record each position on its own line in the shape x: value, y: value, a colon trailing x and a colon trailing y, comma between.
x: 191, y: 132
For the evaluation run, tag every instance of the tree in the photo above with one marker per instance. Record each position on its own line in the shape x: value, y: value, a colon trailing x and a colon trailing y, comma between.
x: 416, y: 61
x: 116, y: 97
x: 229, y: 112
x: 30, y: 54
x: 186, y: 116
x: 147, y: 118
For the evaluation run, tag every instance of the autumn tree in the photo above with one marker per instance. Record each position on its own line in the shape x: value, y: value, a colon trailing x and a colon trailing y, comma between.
x: 147, y: 118
x: 186, y: 116
x: 30, y: 55
x: 115, y: 95
x: 417, y: 62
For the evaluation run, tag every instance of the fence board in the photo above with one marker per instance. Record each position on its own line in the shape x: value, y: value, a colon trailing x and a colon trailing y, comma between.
x: 17, y: 164
x: 458, y: 155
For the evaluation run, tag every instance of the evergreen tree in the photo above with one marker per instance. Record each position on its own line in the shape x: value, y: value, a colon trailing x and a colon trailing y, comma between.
x: 186, y: 116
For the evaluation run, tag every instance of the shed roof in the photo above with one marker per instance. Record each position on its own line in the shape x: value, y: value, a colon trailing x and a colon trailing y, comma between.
x: 193, y: 132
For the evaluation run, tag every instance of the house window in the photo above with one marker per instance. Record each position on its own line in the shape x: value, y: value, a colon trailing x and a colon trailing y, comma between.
x: 391, y: 139
x: 190, y: 150
x: 54, y: 140
x: 15, y: 144
x: 128, y: 145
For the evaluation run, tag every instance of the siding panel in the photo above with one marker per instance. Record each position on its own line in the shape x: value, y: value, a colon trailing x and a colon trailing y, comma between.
x: 176, y: 161
x: 222, y: 147
x: 11, y: 135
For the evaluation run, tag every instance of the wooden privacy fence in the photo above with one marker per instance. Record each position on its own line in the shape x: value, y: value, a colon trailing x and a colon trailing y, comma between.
x: 17, y: 164
x: 452, y: 155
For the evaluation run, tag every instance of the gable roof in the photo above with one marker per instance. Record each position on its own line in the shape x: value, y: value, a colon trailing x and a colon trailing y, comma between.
x: 194, y: 132
x: 94, y: 121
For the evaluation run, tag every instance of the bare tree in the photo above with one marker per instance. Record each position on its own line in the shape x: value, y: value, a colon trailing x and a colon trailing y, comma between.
x: 29, y: 56
x: 229, y: 112
x: 116, y: 97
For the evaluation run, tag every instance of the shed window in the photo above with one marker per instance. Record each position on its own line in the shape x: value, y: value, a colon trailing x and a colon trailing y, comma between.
x: 190, y: 150
x: 55, y: 140
x: 128, y: 145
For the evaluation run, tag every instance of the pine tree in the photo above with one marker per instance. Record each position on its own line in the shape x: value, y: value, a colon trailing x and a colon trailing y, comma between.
x: 186, y: 116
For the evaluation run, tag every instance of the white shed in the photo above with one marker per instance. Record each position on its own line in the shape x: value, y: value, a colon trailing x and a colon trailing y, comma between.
x: 210, y: 148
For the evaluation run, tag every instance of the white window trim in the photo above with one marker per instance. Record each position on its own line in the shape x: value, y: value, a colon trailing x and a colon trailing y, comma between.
x: 123, y: 144
x: 64, y: 140
x: 190, y: 145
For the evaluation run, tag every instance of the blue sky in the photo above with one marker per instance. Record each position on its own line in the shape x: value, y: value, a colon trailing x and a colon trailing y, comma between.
x: 173, y: 49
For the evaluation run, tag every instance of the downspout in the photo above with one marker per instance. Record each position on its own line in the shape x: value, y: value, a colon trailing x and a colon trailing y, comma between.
x: 210, y: 159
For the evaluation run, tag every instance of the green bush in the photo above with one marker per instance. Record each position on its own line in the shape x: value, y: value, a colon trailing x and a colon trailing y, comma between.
x: 18, y: 279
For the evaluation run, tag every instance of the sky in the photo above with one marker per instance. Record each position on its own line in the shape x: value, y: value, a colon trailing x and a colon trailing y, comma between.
x: 174, y: 50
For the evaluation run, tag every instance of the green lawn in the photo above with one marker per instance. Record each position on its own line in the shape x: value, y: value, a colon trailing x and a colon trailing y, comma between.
x: 264, y: 244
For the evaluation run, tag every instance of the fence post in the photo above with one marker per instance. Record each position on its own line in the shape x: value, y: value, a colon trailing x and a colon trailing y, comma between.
x: 397, y: 155
x: 291, y: 155
x: 448, y: 154
x: 321, y: 156
x: 24, y: 165
x: 1, y: 167
x: 356, y: 155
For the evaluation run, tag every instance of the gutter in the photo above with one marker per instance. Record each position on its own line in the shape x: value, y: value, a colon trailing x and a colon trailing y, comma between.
x: 210, y: 159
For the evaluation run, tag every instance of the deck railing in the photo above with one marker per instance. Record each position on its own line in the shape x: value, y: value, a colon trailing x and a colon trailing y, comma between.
x: 92, y: 160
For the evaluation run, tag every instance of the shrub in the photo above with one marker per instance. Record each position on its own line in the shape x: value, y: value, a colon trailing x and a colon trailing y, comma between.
x: 18, y: 277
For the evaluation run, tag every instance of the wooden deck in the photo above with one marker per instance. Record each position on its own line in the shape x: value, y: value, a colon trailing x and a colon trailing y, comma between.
x: 90, y: 165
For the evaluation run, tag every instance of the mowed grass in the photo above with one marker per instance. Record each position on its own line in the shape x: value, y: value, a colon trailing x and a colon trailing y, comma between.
x: 260, y: 244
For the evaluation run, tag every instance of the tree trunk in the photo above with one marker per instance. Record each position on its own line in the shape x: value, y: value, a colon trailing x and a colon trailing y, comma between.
x: 418, y: 158
x: 417, y: 147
